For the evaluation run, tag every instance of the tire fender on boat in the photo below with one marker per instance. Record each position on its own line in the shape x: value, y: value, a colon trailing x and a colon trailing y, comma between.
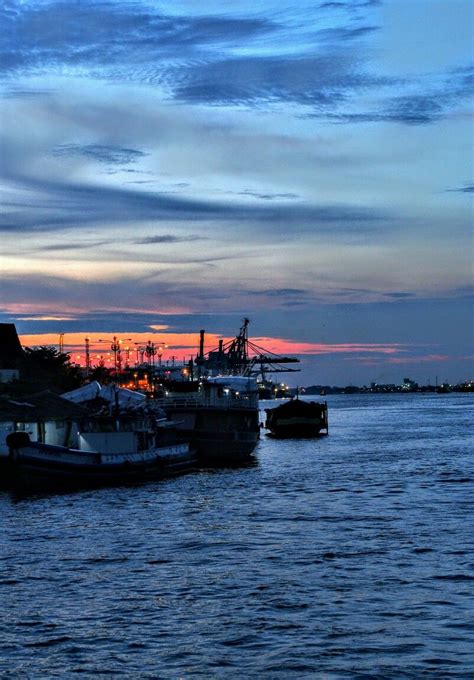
x: 17, y: 440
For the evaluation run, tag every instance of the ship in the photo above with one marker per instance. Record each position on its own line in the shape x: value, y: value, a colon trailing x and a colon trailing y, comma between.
x: 217, y: 405
x: 298, y: 418
x: 268, y: 389
x: 219, y: 416
x: 109, y: 452
x: 112, y: 443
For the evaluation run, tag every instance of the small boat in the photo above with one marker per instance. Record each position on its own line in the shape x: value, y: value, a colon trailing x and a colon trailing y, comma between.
x: 110, y: 450
x: 445, y: 388
x: 298, y: 418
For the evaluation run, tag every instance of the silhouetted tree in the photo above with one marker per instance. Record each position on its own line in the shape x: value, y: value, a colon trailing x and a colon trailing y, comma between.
x: 102, y: 374
x: 46, y: 368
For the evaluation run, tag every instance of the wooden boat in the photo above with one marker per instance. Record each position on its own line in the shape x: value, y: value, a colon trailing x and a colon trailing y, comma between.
x: 298, y: 418
x: 110, y: 450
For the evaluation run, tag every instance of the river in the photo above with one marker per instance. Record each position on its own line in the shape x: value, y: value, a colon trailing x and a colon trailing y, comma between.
x: 350, y: 556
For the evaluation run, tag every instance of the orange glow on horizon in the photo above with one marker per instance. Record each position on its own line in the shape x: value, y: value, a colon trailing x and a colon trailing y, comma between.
x: 185, y: 345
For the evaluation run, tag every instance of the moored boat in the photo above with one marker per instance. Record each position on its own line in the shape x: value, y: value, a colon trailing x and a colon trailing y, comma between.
x: 110, y: 450
x: 220, y: 418
x: 298, y: 418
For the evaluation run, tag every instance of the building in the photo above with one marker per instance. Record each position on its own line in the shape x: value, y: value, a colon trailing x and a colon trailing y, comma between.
x: 11, y: 353
x: 45, y: 417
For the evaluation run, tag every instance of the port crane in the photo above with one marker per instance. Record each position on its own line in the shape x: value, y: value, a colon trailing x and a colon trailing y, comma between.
x: 241, y: 356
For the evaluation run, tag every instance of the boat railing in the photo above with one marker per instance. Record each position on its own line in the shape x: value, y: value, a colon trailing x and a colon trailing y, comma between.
x: 209, y: 400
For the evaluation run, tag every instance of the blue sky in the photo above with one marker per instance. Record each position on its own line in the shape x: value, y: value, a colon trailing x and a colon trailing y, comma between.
x: 183, y: 164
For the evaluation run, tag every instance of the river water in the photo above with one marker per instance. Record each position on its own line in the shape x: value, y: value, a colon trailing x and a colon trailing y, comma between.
x: 351, y: 556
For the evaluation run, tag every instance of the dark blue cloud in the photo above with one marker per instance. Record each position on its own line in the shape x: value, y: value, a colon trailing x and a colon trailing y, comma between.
x: 422, y: 108
x: 399, y: 296
x: 321, y: 81
x: 267, y: 196
x: 467, y: 189
x: 100, y: 152
x: 280, y: 292
x: 167, y: 238
x: 104, y: 33
x: 75, y: 246
x: 56, y: 205
x: 350, y: 5
x: 194, y: 57
x: 200, y: 60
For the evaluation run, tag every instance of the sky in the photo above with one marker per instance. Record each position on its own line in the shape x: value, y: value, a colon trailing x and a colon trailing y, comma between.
x: 177, y: 165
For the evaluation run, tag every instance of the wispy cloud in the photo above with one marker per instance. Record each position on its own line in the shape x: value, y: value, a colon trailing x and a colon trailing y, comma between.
x: 429, y: 358
x: 280, y: 346
x: 167, y: 238
x: 223, y: 59
x: 65, y: 246
x: 467, y: 189
x: 100, y: 152
x: 59, y: 204
x: 268, y: 196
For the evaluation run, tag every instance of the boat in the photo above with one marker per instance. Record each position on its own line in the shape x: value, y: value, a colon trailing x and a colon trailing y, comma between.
x: 217, y: 415
x: 220, y: 417
x: 298, y: 418
x: 445, y: 388
x: 111, y: 449
x: 268, y: 389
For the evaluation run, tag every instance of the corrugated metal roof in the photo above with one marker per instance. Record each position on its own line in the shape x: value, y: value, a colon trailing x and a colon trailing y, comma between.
x: 41, y: 406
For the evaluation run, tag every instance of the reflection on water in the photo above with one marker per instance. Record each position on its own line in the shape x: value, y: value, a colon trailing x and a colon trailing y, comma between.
x: 348, y: 555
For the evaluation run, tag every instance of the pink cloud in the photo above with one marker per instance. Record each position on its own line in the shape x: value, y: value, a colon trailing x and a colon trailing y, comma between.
x: 418, y: 360
x: 285, y: 346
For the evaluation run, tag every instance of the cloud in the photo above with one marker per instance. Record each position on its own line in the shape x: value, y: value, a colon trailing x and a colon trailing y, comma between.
x: 320, y: 80
x: 32, y: 317
x: 100, y: 152
x: 399, y: 296
x: 105, y: 34
x: 224, y: 60
x: 63, y: 246
x: 282, y: 292
x: 466, y: 189
x: 55, y: 204
x: 167, y: 238
x: 429, y: 358
x: 267, y: 196
x: 350, y: 5
x: 421, y: 103
x: 195, y: 58
x: 283, y: 345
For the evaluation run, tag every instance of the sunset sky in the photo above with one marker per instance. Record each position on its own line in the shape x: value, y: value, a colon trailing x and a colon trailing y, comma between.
x: 176, y: 165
